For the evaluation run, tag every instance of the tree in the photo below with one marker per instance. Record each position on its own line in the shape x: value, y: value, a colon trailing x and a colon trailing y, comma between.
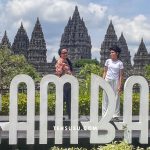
x: 147, y: 72
x: 11, y: 65
x: 85, y: 76
x: 83, y: 62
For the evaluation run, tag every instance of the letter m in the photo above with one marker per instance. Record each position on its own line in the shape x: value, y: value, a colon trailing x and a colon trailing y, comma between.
x: 59, y: 82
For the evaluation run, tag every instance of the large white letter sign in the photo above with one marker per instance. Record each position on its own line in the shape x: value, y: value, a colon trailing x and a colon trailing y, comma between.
x: 94, y: 125
x: 142, y: 125
x: 59, y: 82
x: 103, y: 124
x: 13, y: 112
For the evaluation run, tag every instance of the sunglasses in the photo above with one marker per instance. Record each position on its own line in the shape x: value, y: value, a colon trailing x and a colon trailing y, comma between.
x: 64, y: 52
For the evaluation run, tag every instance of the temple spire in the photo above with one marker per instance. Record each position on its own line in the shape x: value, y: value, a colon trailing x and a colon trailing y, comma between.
x: 76, y: 14
x: 123, y: 44
x: 5, y: 41
x: 122, y: 39
x: 109, y: 40
x: 21, y: 25
x: 38, y: 21
x: 37, y: 46
x: 125, y: 56
x: 76, y: 38
x: 21, y: 42
x: 141, y: 59
x: 54, y: 60
x: 111, y: 29
x: 142, y: 48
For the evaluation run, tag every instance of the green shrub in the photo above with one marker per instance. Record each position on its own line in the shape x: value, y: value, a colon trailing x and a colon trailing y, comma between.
x: 5, y: 105
x: 51, y: 104
x: 113, y: 146
x: 84, y: 104
x: 71, y: 148
x: 83, y: 62
x: 22, y: 104
x: 135, y: 103
x: 116, y: 146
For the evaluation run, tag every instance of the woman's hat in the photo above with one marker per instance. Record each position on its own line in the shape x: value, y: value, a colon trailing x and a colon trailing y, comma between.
x: 115, y: 48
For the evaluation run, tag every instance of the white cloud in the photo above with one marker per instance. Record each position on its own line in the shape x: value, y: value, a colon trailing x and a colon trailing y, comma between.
x: 93, y: 14
x: 53, y: 49
x: 58, y: 11
x: 97, y: 10
x: 134, y: 29
x: 49, y: 10
x: 19, y: 8
x: 94, y: 49
x: 95, y: 53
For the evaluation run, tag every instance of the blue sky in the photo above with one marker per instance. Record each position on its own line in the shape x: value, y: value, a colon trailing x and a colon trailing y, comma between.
x: 132, y: 17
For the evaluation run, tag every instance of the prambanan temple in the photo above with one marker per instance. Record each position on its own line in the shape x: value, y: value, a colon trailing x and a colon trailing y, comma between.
x: 78, y: 42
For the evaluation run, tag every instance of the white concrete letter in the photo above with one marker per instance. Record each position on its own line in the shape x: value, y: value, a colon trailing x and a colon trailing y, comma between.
x: 103, y: 124
x: 13, y: 113
x: 59, y: 82
x: 142, y: 125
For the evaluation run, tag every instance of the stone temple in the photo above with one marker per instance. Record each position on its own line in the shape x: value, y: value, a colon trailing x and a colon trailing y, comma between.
x: 141, y: 58
x: 110, y: 40
x: 34, y: 49
x: 76, y: 38
x: 78, y: 42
